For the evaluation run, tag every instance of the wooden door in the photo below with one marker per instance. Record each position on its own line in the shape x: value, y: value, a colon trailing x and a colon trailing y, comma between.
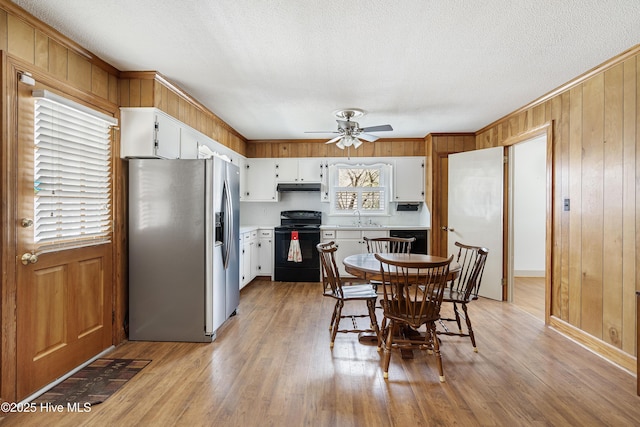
x: 63, y: 297
x: 476, y: 200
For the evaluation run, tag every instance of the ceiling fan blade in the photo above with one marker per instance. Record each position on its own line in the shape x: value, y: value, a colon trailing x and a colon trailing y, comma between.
x: 377, y: 128
x: 368, y: 137
x: 334, y: 139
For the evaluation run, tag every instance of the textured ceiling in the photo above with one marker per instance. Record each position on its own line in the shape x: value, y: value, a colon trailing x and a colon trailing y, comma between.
x: 275, y: 69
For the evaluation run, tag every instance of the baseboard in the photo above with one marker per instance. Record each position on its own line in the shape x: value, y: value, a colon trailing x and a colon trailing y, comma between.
x: 528, y: 273
x: 608, y: 352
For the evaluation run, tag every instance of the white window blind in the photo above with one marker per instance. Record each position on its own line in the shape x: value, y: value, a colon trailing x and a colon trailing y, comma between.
x: 72, y: 179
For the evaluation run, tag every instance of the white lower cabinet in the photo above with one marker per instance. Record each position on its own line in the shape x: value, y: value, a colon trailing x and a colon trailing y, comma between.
x: 265, y: 252
x: 249, y: 256
x: 348, y: 247
x: 241, y: 260
x: 253, y: 254
x: 244, y: 261
x: 349, y: 242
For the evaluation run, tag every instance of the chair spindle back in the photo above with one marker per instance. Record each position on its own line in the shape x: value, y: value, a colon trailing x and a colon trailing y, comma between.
x: 472, y: 260
x: 330, y: 275
x: 396, y: 245
x: 412, y: 291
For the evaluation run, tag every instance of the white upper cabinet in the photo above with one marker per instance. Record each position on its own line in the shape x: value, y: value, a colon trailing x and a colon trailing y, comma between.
x: 408, y: 179
x: 242, y: 164
x: 324, y: 180
x: 310, y: 169
x: 261, y: 176
x: 286, y: 169
x: 149, y: 132
x: 189, y: 144
x: 298, y: 170
x: 260, y: 185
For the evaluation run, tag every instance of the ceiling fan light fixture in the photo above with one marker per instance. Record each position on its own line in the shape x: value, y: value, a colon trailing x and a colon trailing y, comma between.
x: 348, y: 131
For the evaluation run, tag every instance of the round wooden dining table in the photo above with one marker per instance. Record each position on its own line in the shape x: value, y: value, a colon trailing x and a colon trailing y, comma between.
x: 367, y: 267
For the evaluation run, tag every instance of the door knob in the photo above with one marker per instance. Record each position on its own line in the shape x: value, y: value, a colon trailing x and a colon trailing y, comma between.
x: 447, y: 229
x: 29, y: 258
x: 26, y: 222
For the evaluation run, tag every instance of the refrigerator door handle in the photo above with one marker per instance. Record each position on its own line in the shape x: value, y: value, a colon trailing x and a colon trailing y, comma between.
x: 229, y: 218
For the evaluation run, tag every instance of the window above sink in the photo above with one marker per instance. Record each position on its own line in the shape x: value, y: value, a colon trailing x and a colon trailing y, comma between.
x: 359, y: 189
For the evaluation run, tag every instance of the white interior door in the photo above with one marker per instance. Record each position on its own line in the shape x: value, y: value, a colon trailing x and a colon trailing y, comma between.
x: 476, y: 209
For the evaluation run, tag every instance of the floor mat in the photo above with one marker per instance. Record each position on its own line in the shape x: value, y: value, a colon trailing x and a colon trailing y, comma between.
x: 94, y: 383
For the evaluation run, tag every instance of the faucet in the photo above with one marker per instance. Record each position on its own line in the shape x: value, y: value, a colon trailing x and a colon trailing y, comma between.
x: 359, y: 221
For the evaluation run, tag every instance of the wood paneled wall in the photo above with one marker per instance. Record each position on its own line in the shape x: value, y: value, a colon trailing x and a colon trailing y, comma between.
x: 35, y: 43
x: 384, y: 147
x: 596, y: 244
x: 150, y: 89
x: 30, y: 46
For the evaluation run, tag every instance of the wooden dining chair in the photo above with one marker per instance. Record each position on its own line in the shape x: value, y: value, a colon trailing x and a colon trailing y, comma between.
x: 412, y: 296
x: 342, y: 292
x: 464, y: 288
x: 396, y: 245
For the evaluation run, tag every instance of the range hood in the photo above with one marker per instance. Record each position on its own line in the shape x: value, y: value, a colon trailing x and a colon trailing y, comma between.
x: 283, y: 187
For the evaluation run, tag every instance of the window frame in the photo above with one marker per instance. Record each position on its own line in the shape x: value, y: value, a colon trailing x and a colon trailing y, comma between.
x: 384, y: 187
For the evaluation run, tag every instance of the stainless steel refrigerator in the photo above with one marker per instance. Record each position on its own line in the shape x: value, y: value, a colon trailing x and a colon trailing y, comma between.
x: 183, y: 248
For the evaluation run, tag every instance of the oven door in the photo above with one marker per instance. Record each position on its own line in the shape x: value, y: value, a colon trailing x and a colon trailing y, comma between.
x: 308, y: 240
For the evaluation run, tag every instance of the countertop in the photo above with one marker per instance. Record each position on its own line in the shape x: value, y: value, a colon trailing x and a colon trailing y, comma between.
x: 247, y: 228
x: 374, y: 227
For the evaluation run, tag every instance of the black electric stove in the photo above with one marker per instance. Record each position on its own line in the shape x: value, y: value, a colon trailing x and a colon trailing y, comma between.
x: 307, y: 224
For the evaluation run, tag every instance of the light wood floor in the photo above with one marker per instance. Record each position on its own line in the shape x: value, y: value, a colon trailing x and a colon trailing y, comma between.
x: 528, y: 294
x: 271, y: 365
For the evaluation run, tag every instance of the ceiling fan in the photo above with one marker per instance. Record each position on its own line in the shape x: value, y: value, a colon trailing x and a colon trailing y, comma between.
x: 350, y: 133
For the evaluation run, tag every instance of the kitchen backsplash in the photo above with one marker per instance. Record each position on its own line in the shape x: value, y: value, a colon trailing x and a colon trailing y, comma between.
x: 268, y: 213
